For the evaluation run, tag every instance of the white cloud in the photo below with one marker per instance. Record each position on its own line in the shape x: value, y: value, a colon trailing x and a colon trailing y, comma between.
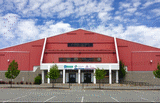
x: 60, y: 8
x: 131, y: 10
x: 140, y: 34
x: 1, y: 1
x: 138, y: 13
x: 150, y: 2
x: 53, y: 29
x: 8, y: 23
x: 20, y: 4
x: 104, y: 16
x: 128, y: 8
x: 26, y: 30
x: 50, y: 4
x: 124, y: 5
x: 136, y: 4
x: 118, y: 18
x: 156, y: 11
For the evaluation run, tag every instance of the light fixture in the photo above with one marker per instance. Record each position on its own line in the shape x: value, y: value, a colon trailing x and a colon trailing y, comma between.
x: 151, y: 61
x: 8, y: 60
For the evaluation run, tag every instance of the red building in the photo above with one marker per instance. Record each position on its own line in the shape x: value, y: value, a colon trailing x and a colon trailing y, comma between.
x: 77, y: 54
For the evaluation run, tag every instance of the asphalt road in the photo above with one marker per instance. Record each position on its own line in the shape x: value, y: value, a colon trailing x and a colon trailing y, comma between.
x: 77, y: 95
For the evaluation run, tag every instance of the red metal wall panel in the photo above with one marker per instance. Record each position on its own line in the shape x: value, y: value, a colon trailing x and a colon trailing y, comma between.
x: 141, y: 61
x: 125, y: 49
x: 35, y: 50
x: 20, y: 57
x: 105, y: 58
x: 105, y: 46
x: 100, y: 43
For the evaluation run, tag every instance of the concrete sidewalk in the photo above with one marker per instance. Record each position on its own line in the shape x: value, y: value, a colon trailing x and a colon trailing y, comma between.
x: 86, y: 86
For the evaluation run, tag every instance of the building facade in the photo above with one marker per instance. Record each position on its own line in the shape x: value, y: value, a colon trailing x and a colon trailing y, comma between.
x: 77, y: 54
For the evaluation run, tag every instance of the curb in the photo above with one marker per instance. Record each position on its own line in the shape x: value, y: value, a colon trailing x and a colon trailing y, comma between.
x: 117, y: 89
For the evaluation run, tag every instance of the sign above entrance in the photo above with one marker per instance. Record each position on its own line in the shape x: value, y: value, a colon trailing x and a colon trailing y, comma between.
x: 79, y: 67
x: 89, y: 67
x: 68, y: 67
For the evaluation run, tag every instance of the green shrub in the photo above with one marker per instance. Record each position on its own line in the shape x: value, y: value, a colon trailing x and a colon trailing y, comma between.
x: 157, y: 71
x: 38, y: 80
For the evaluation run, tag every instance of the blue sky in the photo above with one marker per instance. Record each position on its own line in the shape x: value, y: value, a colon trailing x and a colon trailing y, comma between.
x: 23, y: 21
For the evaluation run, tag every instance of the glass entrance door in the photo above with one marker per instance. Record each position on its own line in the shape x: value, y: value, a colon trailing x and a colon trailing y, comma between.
x: 87, y: 77
x: 72, y: 77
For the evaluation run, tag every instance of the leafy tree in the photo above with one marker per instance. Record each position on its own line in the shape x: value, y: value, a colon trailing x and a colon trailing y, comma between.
x: 122, y: 71
x: 157, y: 72
x: 100, y: 74
x: 13, y: 71
x: 54, y: 73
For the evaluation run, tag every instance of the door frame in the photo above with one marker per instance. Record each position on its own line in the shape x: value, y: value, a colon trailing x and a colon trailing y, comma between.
x: 86, y: 81
x: 70, y: 78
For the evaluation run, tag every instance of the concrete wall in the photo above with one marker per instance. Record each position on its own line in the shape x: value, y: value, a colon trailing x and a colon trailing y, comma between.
x: 28, y: 76
x: 142, y: 76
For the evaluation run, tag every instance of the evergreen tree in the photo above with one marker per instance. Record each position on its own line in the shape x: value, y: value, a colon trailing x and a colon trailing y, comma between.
x: 122, y: 71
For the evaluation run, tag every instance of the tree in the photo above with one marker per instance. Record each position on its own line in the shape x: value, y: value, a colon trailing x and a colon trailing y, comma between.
x: 157, y: 72
x: 122, y: 71
x: 54, y: 73
x: 100, y: 74
x: 13, y: 71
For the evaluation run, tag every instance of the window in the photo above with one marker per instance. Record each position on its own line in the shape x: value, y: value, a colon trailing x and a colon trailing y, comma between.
x: 80, y: 44
x: 79, y: 59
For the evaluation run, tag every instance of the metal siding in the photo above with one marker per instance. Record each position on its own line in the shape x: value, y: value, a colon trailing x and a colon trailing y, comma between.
x: 59, y: 43
x: 125, y: 49
x: 25, y: 61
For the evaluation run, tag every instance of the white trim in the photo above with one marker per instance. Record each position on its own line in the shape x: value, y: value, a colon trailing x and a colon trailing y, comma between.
x: 116, y: 49
x: 44, y: 45
x: 64, y: 76
x: 110, y: 75
x: 42, y: 76
x: 49, y: 71
x: 105, y: 66
x: 79, y: 73
x: 35, y: 68
x: 94, y: 76
x: 145, y: 51
x: 17, y: 51
x: 116, y: 76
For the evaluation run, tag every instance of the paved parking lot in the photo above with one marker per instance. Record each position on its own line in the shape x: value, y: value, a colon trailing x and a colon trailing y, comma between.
x: 77, y: 95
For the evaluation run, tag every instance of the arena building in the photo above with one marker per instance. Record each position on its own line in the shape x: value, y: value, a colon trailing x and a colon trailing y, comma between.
x: 77, y: 54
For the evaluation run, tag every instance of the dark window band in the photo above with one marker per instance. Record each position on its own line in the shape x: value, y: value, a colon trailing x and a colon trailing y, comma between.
x: 79, y: 59
x: 80, y: 44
